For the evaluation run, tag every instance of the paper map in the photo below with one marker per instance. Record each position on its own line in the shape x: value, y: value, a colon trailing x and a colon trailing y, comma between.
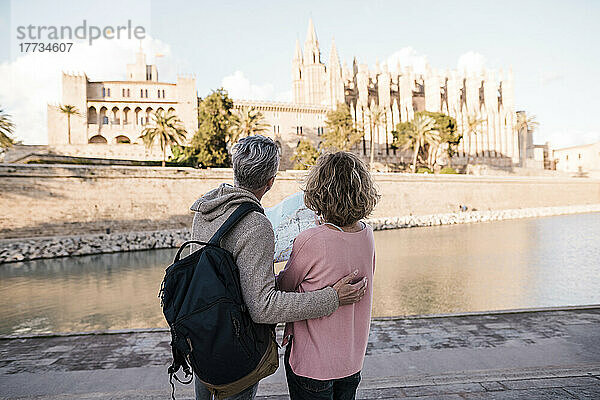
x: 289, y: 218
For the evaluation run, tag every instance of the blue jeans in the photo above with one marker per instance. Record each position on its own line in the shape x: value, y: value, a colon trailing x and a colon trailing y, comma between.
x: 302, y: 388
x: 202, y: 392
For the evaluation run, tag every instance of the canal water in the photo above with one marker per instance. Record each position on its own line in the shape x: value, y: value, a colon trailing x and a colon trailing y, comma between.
x: 552, y: 261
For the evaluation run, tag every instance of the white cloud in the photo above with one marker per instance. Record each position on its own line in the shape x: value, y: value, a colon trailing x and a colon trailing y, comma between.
x: 549, y: 77
x: 566, y: 138
x: 33, y: 80
x: 407, y: 56
x: 239, y: 87
x: 471, y: 62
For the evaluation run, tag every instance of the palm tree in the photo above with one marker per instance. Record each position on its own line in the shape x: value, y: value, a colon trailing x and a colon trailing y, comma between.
x: 530, y: 123
x: 7, y: 128
x: 167, y: 129
x: 68, y: 110
x: 248, y: 122
x: 419, y: 133
x: 376, y: 115
x: 471, y: 130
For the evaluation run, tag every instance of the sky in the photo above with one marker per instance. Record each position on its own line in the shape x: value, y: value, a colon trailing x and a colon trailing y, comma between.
x: 247, y: 47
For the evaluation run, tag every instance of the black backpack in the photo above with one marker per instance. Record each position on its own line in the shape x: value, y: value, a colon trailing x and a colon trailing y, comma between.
x: 211, y: 328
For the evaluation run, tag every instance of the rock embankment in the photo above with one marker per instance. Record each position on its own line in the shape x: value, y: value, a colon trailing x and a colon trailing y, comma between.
x: 12, y: 250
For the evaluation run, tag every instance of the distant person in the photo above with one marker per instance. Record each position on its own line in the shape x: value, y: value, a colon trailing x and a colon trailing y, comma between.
x: 252, y: 241
x: 324, y: 356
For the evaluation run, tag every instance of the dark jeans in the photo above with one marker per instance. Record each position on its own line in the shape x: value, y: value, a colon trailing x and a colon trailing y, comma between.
x: 302, y: 388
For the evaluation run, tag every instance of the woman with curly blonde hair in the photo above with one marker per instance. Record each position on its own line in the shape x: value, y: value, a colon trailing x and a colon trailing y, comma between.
x: 324, y: 356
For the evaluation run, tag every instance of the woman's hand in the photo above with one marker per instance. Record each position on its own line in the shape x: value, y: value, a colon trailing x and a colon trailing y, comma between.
x: 350, y: 293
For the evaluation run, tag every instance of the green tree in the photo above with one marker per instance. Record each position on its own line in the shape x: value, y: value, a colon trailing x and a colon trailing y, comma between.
x: 449, y: 136
x: 376, y: 115
x: 305, y: 155
x: 209, y: 146
x: 69, y: 111
x: 246, y: 122
x: 167, y: 129
x: 416, y: 134
x: 7, y: 127
x: 340, y: 135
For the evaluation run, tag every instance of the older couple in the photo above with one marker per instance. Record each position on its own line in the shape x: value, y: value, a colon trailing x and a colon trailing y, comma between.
x: 328, y: 323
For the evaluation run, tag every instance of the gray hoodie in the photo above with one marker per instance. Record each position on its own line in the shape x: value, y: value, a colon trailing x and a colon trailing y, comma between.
x: 252, y: 243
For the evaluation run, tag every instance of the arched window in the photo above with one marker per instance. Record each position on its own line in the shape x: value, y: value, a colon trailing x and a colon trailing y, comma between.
x: 148, y: 114
x: 103, y: 116
x: 122, y: 139
x: 115, y: 116
x: 98, y: 139
x: 92, y: 115
x: 171, y: 110
x: 138, y: 116
x: 126, y: 115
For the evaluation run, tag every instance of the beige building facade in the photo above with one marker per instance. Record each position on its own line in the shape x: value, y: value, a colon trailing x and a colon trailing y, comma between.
x: 487, y: 96
x: 113, y: 114
x: 578, y: 159
x: 116, y: 112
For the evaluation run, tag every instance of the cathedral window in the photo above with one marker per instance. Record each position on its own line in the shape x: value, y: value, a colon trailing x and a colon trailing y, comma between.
x: 146, y: 93
x: 141, y: 92
x: 103, y: 92
x: 159, y: 93
x: 108, y: 92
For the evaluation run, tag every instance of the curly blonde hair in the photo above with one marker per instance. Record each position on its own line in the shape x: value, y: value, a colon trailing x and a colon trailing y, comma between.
x: 340, y: 189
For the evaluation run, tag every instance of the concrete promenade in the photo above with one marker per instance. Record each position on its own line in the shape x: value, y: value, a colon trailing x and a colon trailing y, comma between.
x: 533, y: 354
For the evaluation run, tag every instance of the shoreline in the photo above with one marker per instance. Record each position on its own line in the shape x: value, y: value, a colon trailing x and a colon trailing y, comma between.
x: 462, y: 314
x: 25, y: 249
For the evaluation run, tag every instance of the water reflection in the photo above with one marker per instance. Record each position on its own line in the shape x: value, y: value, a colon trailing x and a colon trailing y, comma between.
x: 488, y: 266
x: 499, y: 265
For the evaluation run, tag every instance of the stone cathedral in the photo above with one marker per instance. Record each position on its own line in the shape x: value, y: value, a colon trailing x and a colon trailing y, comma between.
x: 487, y: 96
x: 114, y: 113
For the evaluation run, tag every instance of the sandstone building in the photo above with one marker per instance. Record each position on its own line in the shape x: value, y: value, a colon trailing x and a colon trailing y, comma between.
x: 117, y: 111
x: 114, y: 113
x: 487, y: 96
x: 580, y: 159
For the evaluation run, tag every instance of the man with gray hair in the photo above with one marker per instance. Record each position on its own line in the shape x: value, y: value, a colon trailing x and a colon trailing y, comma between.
x: 252, y: 241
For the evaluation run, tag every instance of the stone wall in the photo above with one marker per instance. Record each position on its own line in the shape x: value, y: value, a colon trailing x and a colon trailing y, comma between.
x: 33, y: 197
x: 49, y: 247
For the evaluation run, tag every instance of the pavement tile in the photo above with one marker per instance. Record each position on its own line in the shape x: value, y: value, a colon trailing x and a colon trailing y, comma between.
x: 443, y: 389
x: 492, y: 386
x: 549, y: 382
x: 387, y: 393
x: 531, y: 394
x: 585, y: 392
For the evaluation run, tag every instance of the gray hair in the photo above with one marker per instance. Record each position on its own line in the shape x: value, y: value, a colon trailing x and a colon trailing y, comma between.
x: 255, y: 161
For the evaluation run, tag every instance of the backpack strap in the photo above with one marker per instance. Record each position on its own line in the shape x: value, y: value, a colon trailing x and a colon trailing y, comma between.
x: 240, y: 212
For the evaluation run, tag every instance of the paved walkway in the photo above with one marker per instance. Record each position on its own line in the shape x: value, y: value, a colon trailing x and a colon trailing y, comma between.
x: 549, y: 354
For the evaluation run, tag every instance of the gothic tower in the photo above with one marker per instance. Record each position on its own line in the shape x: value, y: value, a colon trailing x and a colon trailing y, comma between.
x: 335, y: 84
x: 310, y: 87
x: 297, y: 83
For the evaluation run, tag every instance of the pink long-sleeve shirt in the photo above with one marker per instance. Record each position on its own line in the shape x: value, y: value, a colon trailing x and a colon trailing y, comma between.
x: 330, y: 347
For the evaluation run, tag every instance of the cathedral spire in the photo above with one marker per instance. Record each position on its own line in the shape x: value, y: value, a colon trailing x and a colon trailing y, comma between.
x: 311, y: 35
x: 298, y: 52
x: 334, y: 60
x: 312, y: 54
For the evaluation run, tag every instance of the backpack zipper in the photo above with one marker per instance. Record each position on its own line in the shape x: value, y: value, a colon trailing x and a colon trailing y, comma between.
x: 209, y: 305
